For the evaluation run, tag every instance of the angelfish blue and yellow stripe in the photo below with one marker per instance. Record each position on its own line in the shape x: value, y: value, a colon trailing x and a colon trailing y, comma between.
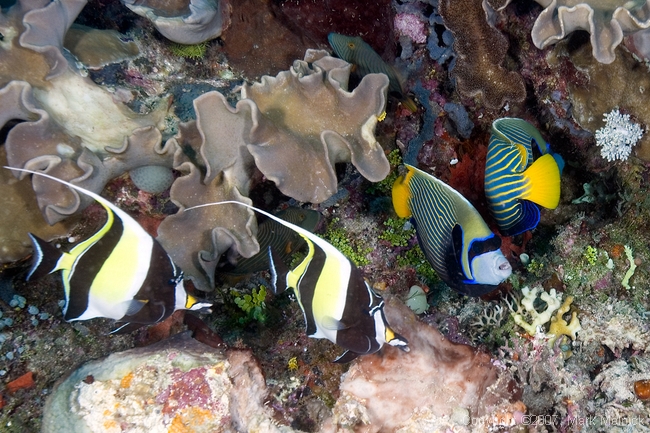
x: 514, y: 182
x: 455, y: 239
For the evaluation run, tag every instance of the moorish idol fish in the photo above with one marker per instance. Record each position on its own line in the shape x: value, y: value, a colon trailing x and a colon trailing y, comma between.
x: 452, y: 234
x: 356, y: 51
x: 513, y: 182
x: 120, y: 272
x: 337, y: 302
x: 282, y: 239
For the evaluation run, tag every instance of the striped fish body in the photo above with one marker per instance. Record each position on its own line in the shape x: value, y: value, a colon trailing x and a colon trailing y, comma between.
x: 120, y: 272
x: 514, y: 182
x: 356, y: 51
x: 337, y: 303
x: 453, y: 236
x: 280, y: 238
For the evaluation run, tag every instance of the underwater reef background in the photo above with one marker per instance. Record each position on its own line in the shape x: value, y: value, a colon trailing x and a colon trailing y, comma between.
x: 162, y: 110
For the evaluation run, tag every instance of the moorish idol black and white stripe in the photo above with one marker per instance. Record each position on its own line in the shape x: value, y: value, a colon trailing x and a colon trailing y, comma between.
x: 337, y: 302
x: 513, y: 182
x: 120, y: 272
x: 455, y: 239
x: 282, y: 239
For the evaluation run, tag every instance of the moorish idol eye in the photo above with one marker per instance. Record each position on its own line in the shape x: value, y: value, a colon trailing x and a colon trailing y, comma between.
x: 120, y: 272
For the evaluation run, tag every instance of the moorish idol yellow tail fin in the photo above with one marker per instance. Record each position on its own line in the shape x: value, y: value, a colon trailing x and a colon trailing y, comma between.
x: 45, y: 260
x: 401, y: 195
x: 544, y: 175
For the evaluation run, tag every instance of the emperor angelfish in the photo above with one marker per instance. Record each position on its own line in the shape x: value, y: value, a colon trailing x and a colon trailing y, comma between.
x: 120, y: 272
x: 357, y: 52
x: 337, y: 302
x: 455, y: 239
x: 513, y: 182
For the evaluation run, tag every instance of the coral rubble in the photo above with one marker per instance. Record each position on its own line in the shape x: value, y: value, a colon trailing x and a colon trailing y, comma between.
x: 175, y: 384
x: 435, y: 383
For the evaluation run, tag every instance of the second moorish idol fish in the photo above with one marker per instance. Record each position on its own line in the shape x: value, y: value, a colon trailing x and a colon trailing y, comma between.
x: 282, y: 239
x: 356, y: 51
x: 455, y: 239
x: 337, y: 302
x: 120, y: 272
x: 513, y: 182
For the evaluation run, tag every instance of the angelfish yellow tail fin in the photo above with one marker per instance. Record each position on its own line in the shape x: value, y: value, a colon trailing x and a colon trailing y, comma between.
x: 544, y: 175
x: 401, y: 195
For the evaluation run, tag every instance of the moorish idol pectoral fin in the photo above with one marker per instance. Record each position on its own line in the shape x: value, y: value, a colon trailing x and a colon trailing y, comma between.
x: 530, y: 217
x: 346, y: 357
x: 279, y: 271
x: 45, y: 259
x: 329, y: 322
x: 401, y: 195
x: 126, y: 328
x: 544, y: 175
x: 134, y: 306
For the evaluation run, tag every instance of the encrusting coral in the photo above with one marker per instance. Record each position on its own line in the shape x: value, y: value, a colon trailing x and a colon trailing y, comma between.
x: 436, y: 383
x: 481, y: 50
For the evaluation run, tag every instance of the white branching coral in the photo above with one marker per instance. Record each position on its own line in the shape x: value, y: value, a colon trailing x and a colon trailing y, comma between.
x: 618, y: 136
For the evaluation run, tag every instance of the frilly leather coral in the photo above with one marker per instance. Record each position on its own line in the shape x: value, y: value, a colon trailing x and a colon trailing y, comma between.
x: 307, y: 116
x: 196, y: 239
x: 74, y: 129
x: 185, y: 21
x: 606, y: 21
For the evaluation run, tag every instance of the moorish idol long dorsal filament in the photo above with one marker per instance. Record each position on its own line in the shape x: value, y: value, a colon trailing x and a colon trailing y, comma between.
x: 120, y: 272
x: 337, y: 302
x: 455, y: 239
x: 514, y: 182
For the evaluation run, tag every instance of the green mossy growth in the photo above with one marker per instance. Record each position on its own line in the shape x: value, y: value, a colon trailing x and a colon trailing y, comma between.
x: 415, y: 258
x: 189, y: 51
x: 385, y: 186
x: 342, y: 241
x: 395, y: 232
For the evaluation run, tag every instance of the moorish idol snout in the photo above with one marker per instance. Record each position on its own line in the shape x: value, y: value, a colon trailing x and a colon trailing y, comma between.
x: 337, y: 302
x: 120, y: 272
x: 513, y: 182
x: 452, y: 234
